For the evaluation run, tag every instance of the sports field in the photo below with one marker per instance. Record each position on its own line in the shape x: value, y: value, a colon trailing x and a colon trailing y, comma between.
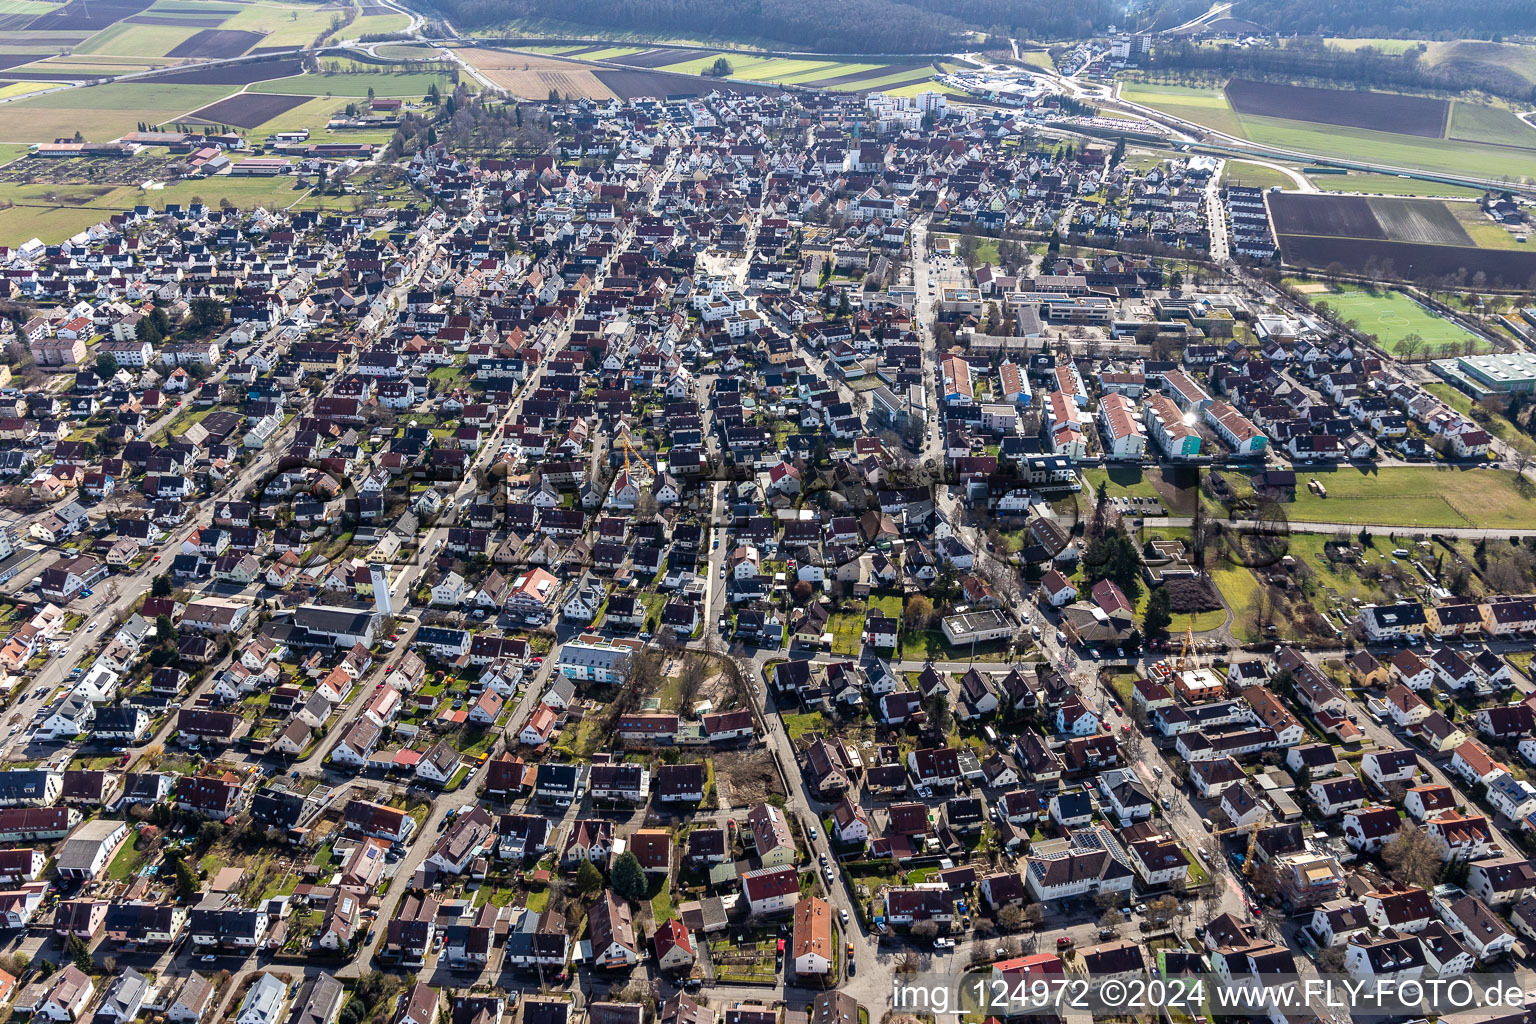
x: 1422, y: 496
x: 1392, y: 316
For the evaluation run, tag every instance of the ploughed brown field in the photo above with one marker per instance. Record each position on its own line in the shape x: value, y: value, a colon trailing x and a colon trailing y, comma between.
x: 532, y: 76
x: 1350, y: 108
x: 217, y: 44
x: 1415, y: 262
x: 627, y: 85
x: 80, y: 15
x: 248, y: 109
x: 231, y: 74
x: 853, y: 77
x: 1422, y: 238
x: 1421, y: 221
x: 660, y: 58
x: 15, y: 60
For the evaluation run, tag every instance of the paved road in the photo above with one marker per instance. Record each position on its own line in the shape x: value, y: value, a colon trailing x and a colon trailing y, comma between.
x: 1468, y: 532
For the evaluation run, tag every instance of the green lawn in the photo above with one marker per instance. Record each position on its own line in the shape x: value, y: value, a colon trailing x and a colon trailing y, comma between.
x: 1391, y: 316
x: 1240, y: 589
x: 1418, y: 496
x: 1241, y: 172
x: 1198, y: 622
x: 797, y: 725
x: 846, y: 628
x: 127, y: 862
x: 1121, y: 482
x: 662, y: 910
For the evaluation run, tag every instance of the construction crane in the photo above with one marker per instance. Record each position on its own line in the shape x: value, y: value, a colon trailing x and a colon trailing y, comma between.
x: 629, y: 449
x: 1187, y: 652
x: 1252, y: 829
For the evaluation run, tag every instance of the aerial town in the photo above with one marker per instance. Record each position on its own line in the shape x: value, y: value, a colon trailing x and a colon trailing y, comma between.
x: 742, y: 550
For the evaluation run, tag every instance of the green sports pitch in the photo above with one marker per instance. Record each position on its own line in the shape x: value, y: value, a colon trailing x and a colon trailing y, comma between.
x: 1392, y: 316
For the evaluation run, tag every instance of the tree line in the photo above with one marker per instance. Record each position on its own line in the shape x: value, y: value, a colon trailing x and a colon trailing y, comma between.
x: 1412, y: 19
x: 850, y: 26
x: 1311, y: 58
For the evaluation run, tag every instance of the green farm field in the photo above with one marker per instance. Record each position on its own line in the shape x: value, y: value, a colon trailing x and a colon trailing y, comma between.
x: 1201, y: 104
x: 375, y: 25
x: 102, y: 112
x: 1383, y: 45
x: 1392, y: 316
x: 138, y: 40
x: 1480, y: 123
x: 284, y: 24
x: 1486, y: 152
x: 921, y: 87
x: 408, y: 85
x: 1416, y: 496
x: 609, y: 53
x: 1391, y: 185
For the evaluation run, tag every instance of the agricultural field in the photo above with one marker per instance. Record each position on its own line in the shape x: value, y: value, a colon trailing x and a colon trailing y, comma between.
x: 1348, y: 124
x: 1378, y: 111
x: 1421, y: 238
x: 811, y: 73
x: 129, y: 39
x: 1417, y: 496
x: 247, y: 109
x: 11, y: 90
x: 1382, y: 45
x: 1390, y: 184
x: 1476, y: 122
x: 406, y: 85
x: 1392, y: 316
x: 1200, y: 104
x: 533, y: 77
x: 382, y: 23
x: 284, y: 25
x: 102, y: 112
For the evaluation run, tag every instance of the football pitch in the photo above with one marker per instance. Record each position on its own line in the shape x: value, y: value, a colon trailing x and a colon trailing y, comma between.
x: 1392, y: 316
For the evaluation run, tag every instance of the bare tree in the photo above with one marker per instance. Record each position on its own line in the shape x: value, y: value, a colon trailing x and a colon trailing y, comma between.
x: 1412, y: 858
x: 695, y: 671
